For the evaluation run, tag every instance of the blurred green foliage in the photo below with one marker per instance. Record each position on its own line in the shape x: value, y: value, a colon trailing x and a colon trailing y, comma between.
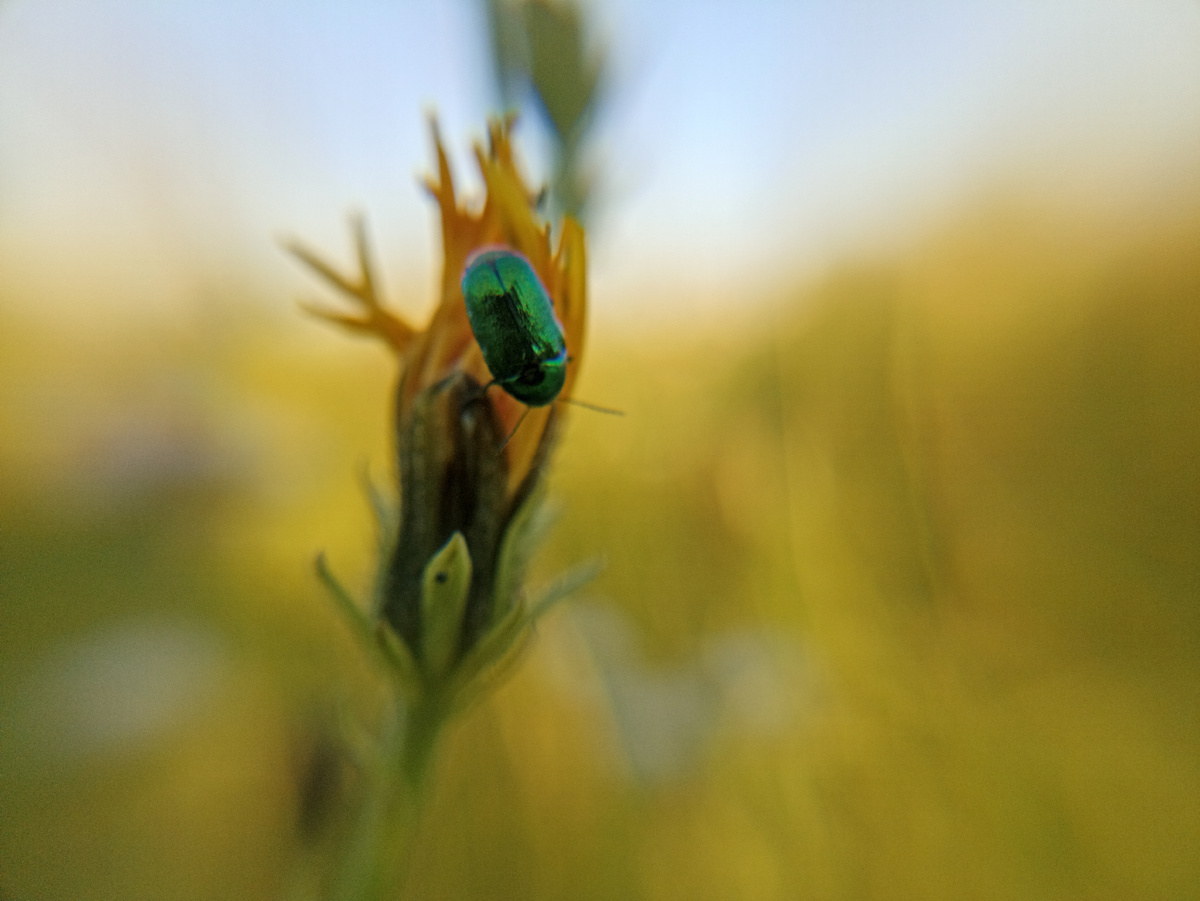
x: 951, y: 499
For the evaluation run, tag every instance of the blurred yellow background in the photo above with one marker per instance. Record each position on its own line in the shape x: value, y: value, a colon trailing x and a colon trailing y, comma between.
x: 900, y: 599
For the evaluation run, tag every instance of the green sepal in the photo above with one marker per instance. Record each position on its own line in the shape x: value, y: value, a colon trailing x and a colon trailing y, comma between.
x: 490, y: 648
x: 399, y: 658
x: 378, y: 638
x: 563, y: 587
x: 492, y: 659
x: 526, y: 530
x: 387, y: 514
x: 489, y: 676
x: 444, y: 590
x: 354, y: 617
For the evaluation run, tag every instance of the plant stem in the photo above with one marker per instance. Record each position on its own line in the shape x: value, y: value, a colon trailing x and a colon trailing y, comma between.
x: 380, y: 851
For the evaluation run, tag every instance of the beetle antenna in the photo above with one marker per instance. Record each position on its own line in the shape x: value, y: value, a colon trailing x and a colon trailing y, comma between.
x: 596, y: 407
x: 514, y: 430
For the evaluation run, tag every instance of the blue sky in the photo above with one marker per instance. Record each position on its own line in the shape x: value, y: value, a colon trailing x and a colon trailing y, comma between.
x: 151, y: 145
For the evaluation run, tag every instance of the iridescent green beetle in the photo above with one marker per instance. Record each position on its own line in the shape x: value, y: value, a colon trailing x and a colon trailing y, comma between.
x: 514, y: 322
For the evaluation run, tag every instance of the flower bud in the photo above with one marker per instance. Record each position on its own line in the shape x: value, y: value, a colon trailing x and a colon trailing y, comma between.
x: 449, y: 607
x: 453, y: 479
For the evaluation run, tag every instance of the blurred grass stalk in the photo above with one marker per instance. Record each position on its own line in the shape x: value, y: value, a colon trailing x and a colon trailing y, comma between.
x: 541, y: 53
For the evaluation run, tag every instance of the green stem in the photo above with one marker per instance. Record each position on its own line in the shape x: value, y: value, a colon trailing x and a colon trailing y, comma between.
x: 422, y: 728
x: 380, y: 851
